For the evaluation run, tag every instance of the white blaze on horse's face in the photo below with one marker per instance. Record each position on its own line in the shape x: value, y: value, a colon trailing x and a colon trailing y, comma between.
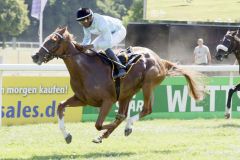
x: 221, y: 52
x: 222, y: 47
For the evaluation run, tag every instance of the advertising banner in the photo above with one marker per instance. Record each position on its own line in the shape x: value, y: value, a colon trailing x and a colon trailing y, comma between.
x: 171, y: 100
x: 28, y: 100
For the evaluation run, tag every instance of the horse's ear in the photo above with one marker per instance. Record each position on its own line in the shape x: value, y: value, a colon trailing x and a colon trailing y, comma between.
x: 63, y: 30
x: 235, y: 32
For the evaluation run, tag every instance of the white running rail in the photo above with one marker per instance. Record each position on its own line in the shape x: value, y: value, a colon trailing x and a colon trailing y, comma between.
x: 62, y: 67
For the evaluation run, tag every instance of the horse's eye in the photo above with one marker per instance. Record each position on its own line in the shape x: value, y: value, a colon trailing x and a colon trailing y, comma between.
x: 53, y: 40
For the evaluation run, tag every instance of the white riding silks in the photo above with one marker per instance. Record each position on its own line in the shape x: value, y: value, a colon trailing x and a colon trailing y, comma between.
x: 110, y: 31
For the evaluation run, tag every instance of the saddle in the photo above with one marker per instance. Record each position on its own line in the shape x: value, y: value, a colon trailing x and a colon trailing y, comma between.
x: 127, y: 57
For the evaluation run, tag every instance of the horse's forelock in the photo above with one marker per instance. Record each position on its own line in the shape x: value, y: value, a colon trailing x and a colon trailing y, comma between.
x: 66, y: 34
x: 58, y: 29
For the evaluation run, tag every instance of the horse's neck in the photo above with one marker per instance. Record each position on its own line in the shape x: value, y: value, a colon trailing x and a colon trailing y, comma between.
x: 237, y: 52
x: 80, y: 64
x: 73, y: 61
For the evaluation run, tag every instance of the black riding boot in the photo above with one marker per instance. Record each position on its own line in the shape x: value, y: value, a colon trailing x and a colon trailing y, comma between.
x: 111, y: 54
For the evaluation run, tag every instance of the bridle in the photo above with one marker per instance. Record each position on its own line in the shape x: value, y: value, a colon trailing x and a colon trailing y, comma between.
x: 232, y: 41
x: 49, y: 54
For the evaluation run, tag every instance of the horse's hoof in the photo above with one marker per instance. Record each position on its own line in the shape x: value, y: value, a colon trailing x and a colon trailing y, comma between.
x: 68, y: 139
x: 128, y: 131
x: 97, y: 140
x: 227, y: 115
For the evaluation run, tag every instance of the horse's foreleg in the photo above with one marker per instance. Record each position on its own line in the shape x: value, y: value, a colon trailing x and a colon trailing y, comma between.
x: 104, y: 110
x: 229, y: 99
x: 71, y: 102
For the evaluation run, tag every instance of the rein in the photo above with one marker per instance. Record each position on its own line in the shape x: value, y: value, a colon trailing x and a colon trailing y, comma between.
x: 107, y: 58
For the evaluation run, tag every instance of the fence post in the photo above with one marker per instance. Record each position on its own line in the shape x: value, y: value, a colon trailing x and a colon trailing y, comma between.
x: 14, y: 40
x: 1, y: 93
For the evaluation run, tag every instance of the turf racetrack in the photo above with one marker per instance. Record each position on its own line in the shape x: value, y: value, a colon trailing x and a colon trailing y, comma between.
x: 193, y: 10
x: 212, y: 139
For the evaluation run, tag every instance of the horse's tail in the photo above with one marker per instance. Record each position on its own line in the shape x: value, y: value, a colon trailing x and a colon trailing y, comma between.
x: 196, y: 86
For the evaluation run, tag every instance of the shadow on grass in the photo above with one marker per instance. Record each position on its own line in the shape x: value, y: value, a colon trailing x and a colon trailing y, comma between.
x: 108, y: 154
x: 183, y: 5
x: 167, y: 151
x: 229, y: 126
x: 54, y: 156
x: 87, y: 156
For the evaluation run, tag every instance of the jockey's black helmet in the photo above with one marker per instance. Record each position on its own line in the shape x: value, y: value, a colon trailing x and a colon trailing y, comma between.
x: 83, y: 13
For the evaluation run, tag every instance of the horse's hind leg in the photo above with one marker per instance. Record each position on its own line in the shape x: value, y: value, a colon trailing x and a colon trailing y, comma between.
x: 147, y: 108
x: 71, y: 102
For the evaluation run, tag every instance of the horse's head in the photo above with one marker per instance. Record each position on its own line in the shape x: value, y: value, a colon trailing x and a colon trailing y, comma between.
x: 54, y: 46
x: 229, y: 44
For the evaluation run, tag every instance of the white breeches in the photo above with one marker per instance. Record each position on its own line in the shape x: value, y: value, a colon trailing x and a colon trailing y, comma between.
x: 117, y: 37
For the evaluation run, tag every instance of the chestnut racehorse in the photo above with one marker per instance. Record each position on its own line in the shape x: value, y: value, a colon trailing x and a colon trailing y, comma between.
x: 92, y: 83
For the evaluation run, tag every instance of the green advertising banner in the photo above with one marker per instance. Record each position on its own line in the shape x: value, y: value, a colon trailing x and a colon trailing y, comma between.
x: 171, y: 100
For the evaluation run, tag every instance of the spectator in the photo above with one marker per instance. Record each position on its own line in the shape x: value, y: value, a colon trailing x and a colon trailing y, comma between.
x: 202, y: 55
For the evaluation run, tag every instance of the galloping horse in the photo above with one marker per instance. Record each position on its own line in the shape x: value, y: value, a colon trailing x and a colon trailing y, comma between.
x: 229, y: 44
x: 92, y: 83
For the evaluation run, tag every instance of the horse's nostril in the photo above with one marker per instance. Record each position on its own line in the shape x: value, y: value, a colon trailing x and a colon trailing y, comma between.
x: 35, y: 58
x: 219, y: 57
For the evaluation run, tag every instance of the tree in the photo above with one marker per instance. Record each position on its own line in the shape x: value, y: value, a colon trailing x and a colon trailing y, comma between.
x: 63, y: 12
x: 135, y: 13
x: 13, y: 18
x: 115, y: 8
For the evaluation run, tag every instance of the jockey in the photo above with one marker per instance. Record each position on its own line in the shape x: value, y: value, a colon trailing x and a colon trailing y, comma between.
x: 109, y: 31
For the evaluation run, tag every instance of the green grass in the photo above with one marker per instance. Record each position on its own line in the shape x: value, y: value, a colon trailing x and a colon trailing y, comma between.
x: 157, y: 139
x: 196, y: 10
